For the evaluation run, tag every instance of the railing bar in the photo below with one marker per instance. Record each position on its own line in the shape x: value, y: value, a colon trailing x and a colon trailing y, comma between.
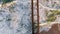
x: 32, y: 16
x: 38, y: 16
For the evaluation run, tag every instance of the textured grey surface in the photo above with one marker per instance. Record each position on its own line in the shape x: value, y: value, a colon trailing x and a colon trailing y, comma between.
x: 16, y: 19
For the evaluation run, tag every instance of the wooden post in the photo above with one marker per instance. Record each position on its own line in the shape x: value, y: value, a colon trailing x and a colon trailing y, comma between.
x: 32, y: 15
x: 38, y: 16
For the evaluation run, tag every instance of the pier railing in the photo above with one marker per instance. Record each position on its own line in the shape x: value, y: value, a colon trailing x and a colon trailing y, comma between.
x: 32, y: 8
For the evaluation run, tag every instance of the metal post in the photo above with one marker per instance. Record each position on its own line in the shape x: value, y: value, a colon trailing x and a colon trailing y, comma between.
x: 32, y: 16
x: 38, y: 16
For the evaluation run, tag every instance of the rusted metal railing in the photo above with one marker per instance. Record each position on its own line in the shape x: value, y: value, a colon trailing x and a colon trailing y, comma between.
x: 38, y: 17
x: 33, y: 16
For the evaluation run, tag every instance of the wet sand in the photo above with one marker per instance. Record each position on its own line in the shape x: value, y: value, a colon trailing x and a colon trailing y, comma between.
x: 53, y: 30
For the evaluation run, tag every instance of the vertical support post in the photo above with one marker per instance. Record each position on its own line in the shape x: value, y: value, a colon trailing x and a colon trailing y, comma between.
x: 32, y: 15
x: 38, y: 17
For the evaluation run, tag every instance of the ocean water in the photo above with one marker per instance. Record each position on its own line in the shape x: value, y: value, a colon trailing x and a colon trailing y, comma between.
x: 16, y: 19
